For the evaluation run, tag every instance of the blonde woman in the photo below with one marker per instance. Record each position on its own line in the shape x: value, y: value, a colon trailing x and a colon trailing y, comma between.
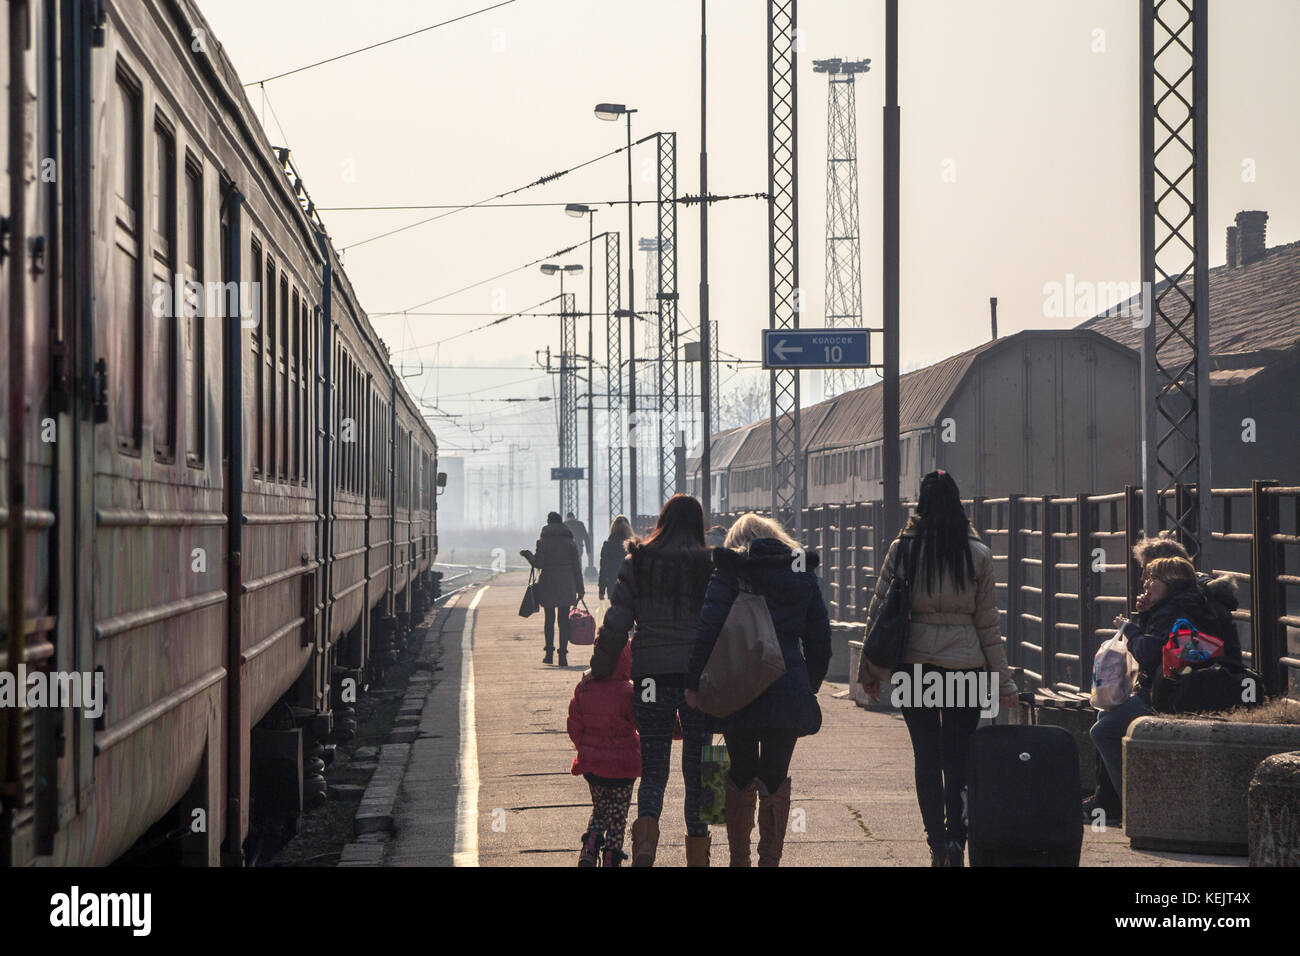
x: 759, y: 556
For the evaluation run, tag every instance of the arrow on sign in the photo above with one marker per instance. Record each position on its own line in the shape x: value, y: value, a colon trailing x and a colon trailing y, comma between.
x: 781, y: 350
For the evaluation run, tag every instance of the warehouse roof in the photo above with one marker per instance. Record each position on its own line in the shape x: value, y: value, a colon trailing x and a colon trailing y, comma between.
x: 1252, y: 307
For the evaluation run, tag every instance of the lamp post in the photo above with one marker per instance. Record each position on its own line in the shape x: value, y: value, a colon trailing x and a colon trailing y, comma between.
x: 706, y: 333
x: 610, y: 112
x: 567, y: 413
x: 578, y: 210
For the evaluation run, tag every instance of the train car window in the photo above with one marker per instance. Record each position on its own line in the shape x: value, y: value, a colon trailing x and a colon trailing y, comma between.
x: 356, y: 436
x: 344, y: 385
x: 282, y: 366
x: 196, y: 424
x: 166, y: 320
x: 259, y: 384
x: 272, y: 336
x: 293, y: 413
x: 127, y: 378
x: 335, y: 415
x: 164, y: 190
x: 304, y: 406
x: 358, y: 412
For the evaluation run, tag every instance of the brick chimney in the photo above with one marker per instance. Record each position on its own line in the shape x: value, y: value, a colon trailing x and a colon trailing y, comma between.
x: 1250, y: 236
x: 1232, y: 247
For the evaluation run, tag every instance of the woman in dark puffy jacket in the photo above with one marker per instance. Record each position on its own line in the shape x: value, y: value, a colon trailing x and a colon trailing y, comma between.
x: 612, y: 553
x: 759, y: 556
x: 660, y: 590
x: 560, y: 585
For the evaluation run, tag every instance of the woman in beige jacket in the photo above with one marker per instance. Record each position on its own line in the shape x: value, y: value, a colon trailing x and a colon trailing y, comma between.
x: 954, y: 664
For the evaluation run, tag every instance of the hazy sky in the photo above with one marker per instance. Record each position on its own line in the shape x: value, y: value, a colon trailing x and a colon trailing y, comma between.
x: 1032, y: 104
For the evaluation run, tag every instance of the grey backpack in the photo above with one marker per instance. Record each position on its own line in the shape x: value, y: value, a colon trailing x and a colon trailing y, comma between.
x: 746, y: 659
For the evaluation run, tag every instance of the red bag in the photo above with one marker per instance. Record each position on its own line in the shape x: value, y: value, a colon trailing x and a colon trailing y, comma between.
x: 1188, y: 647
x: 582, y: 626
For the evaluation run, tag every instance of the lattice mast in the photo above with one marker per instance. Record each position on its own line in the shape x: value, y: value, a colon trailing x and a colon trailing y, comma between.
x: 614, y: 373
x: 649, y: 390
x: 1175, y: 257
x: 669, y: 392
x: 843, y: 242
x: 568, y: 400
x: 783, y: 256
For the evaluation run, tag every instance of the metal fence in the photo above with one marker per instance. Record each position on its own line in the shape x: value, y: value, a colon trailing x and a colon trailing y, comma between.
x: 1064, y: 570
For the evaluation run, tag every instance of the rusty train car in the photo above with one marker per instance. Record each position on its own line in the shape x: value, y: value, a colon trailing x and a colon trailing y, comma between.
x: 1051, y: 411
x: 219, y: 501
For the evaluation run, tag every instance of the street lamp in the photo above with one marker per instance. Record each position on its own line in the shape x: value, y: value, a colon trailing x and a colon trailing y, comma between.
x: 550, y: 269
x: 577, y: 210
x: 611, y: 112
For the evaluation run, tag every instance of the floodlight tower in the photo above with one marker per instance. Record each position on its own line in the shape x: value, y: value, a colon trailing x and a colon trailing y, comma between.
x: 843, y: 246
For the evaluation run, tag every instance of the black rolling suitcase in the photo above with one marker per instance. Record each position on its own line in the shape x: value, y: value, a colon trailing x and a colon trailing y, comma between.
x: 1022, y: 797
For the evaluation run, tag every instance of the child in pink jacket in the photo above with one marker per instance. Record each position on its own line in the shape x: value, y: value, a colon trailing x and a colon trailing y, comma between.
x: 603, y: 728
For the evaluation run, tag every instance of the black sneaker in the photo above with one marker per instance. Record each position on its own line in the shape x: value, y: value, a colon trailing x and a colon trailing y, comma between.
x: 938, y: 856
x: 956, y: 854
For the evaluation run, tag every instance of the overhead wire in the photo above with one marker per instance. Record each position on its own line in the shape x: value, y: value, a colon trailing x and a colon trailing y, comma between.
x: 373, y: 46
x: 539, y: 181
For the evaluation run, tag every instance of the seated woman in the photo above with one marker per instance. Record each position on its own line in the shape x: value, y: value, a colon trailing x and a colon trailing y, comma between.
x: 1170, y: 592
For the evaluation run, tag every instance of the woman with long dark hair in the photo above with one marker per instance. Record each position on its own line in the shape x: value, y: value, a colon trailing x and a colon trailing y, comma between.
x: 954, y: 631
x: 660, y: 589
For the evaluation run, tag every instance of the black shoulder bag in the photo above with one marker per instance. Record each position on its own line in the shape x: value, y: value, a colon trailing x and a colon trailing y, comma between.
x: 529, y: 605
x: 888, y: 635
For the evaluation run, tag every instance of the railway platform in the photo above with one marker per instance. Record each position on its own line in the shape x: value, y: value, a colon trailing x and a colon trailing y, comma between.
x: 487, y: 781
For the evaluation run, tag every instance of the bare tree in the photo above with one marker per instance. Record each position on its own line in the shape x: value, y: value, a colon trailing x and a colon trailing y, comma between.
x: 744, y: 402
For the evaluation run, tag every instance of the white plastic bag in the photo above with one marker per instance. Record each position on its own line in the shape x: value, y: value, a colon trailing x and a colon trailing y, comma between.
x: 1114, y: 673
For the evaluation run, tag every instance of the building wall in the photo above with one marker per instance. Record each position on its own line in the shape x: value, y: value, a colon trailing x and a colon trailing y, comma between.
x: 1272, y: 400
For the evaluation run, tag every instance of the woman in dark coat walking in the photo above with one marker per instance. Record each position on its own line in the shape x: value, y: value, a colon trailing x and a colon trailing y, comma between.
x: 612, y: 553
x: 560, y: 585
x: 660, y: 590
x: 759, y: 556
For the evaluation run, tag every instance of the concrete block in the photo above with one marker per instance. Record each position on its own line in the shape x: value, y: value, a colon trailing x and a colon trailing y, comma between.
x: 346, y: 791
x: 842, y: 632
x: 1273, y: 811
x: 1186, y: 781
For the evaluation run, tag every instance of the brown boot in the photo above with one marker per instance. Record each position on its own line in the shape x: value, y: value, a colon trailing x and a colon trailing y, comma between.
x: 697, y: 849
x: 645, y: 840
x: 740, y: 819
x: 773, y: 817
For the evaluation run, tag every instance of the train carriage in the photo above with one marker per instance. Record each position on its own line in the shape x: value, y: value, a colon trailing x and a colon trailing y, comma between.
x: 206, y: 440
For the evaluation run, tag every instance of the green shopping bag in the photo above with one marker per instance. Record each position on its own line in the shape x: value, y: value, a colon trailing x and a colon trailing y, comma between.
x: 714, y: 763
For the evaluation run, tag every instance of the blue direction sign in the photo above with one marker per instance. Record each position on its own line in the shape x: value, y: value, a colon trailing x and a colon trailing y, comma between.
x: 567, y: 474
x: 816, y: 348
